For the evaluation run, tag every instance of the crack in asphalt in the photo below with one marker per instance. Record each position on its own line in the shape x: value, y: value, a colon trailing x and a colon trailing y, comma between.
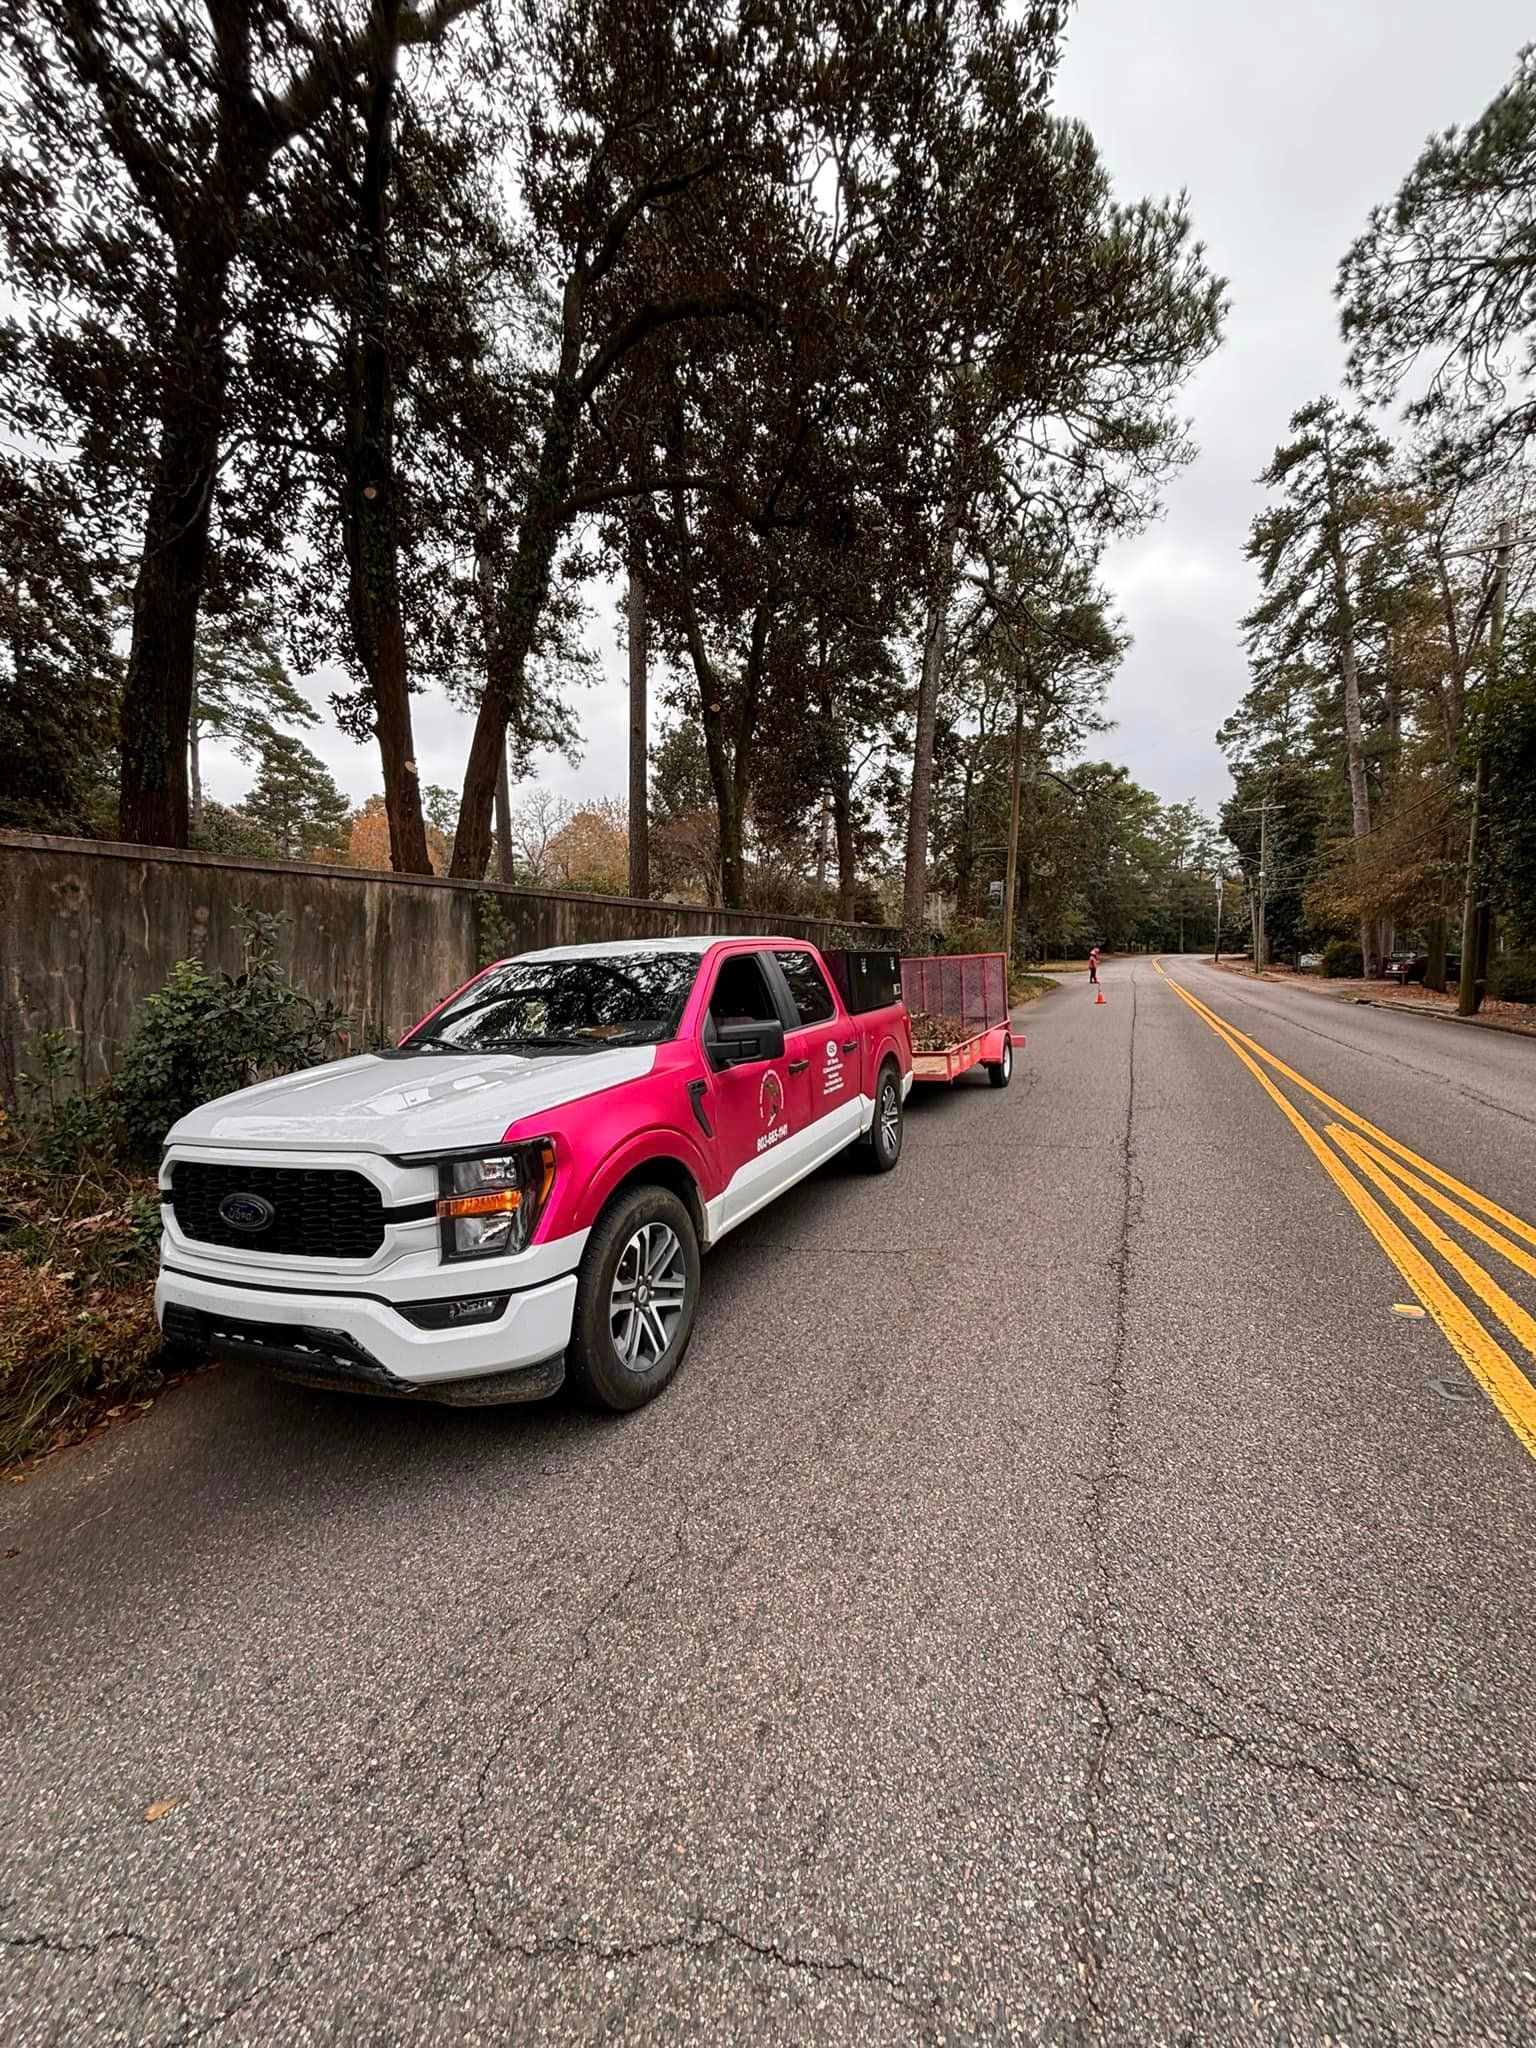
x: 360, y: 1908
x: 1087, y: 1928
x: 707, y: 1932
x: 356, y: 1911
x: 60, y: 1945
x: 581, y: 1654
x: 1256, y: 1746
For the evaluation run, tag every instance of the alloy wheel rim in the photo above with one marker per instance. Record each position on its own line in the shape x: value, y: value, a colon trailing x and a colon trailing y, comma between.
x: 1007, y: 1057
x: 890, y: 1116
x: 648, y: 1296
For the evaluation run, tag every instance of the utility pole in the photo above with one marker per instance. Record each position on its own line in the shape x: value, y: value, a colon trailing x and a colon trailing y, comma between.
x: 1470, y: 996
x: 1258, y: 962
x: 1218, y: 917
x: 1011, y: 870
x: 1261, y: 900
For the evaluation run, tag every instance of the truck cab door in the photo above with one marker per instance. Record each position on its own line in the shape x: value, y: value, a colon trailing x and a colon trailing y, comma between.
x: 825, y: 1070
x: 748, y: 1099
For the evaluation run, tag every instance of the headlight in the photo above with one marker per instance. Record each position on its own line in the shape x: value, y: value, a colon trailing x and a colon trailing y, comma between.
x: 491, y: 1205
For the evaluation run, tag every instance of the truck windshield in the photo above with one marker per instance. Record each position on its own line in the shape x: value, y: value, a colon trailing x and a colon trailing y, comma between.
x: 564, y: 1006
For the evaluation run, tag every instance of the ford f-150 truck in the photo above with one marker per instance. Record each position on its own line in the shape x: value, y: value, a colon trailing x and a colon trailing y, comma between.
x: 522, y: 1187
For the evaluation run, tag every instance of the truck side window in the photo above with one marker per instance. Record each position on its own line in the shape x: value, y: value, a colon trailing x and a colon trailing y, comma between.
x: 808, y: 986
x: 741, y: 992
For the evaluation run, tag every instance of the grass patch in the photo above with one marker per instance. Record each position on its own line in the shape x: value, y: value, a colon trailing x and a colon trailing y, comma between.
x: 1028, y: 988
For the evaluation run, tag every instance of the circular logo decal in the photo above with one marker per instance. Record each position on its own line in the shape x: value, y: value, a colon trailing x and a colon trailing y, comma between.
x: 831, y: 1048
x: 770, y: 1100
x: 246, y: 1212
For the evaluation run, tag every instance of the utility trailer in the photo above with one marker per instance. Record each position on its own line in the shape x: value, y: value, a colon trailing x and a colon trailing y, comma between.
x: 957, y: 1004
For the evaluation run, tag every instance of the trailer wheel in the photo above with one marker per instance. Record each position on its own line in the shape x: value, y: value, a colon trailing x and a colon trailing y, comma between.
x: 636, y: 1295
x: 1000, y: 1072
x: 883, y: 1147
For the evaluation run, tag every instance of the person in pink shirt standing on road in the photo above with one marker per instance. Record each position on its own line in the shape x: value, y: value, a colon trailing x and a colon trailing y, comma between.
x: 1093, y: 966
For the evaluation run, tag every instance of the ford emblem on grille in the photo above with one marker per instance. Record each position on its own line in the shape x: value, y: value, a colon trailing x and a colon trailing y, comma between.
x: 246, y: 1212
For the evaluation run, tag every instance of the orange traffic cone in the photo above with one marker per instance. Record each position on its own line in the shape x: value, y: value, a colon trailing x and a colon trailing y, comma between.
x: 1099, y: 997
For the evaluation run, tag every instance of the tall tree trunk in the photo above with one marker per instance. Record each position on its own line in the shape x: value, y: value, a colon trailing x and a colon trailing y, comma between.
x: 744, y: 739
x: 156, y: 711
x: 727, y: 753
x: 1015, y: 801
x: 206, y: 213
x: 370, y: 491
x: 823, y: 838
x: 486, y: 552
x: 915, y: 886
x: 842, y: 832
x: 1027, y: 845
x: 194, y: 762
x: 504, y: 862
x: 965, y: 837
x: 839, y: 793
x: 1354, y: 739
x: 1434, y: 972
x: 519, y: 606
x: 639, y: 733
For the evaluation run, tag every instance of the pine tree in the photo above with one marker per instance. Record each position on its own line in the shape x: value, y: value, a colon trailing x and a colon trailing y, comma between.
x: 1332, y: 481
x: 296, y: 801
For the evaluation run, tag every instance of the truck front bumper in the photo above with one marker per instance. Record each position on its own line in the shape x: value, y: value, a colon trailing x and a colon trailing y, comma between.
x: 364, y: 1342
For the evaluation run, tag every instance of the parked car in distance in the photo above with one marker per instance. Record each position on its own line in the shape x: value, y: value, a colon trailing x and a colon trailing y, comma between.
x: 1410, y: 967
x: 522, y: 1188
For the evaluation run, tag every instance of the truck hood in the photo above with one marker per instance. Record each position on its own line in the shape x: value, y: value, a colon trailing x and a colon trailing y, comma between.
x: 424, y: 1102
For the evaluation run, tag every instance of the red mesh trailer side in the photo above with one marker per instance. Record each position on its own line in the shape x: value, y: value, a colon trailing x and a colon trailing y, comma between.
x: 970, y: 987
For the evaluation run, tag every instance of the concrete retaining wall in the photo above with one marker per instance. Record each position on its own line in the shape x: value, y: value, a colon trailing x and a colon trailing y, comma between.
x: 88, y: 928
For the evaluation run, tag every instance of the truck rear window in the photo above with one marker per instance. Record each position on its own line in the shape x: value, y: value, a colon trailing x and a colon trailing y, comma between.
x: 564, y: 1006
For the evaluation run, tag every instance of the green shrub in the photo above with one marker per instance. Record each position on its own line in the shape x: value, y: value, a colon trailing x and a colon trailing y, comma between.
x: 978, y: 935
x: 1342, y: 961
x: 79, y: 1225
x: 63, y: 1129
x: 205, y: 1034
x: 1512, y: 978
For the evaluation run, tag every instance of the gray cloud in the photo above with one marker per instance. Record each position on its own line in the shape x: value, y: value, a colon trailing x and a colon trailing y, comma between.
x: 1284, y: 124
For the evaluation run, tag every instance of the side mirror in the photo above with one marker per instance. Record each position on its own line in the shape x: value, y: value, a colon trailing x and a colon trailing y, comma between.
x: 739, y: 1045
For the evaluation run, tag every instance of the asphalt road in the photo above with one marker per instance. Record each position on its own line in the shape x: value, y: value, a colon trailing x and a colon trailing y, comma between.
x: 1061, y: 1600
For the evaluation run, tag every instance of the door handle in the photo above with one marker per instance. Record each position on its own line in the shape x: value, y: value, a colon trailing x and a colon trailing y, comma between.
x: 850, y: 1045
x: 697, y: 1090
x: 798, y: 1066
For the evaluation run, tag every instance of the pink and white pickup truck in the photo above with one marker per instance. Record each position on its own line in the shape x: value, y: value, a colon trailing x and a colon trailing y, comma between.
x: 523, y: 1186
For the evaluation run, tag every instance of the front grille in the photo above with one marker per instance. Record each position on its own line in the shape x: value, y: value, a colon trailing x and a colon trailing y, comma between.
x: 317, y: 1212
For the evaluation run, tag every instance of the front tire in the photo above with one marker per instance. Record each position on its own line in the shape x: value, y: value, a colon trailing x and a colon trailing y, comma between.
x: 885, y: 1133
x: 637, y: 1292
x: 1000, y: 1072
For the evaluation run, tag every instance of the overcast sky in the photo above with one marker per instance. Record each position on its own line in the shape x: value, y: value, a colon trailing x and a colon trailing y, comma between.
x: 1284, y: 120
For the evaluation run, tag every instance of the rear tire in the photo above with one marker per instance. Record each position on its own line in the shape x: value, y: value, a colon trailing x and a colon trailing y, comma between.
x: 883, y: 1147
x: 637, y: 1292
x: 1000, y: 1072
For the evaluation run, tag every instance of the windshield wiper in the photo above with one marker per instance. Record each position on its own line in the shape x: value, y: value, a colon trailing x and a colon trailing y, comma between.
x: 582, y: 1044
x: 514, y: 1042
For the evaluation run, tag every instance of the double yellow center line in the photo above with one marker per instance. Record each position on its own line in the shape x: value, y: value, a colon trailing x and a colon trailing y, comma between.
x: 1361, y: 1153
